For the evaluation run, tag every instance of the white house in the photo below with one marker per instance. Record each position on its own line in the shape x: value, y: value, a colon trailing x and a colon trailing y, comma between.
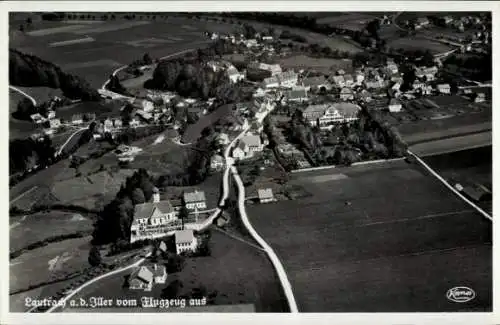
x: 234, y: 75
x: 266, y: 195
x: 51, y: 114
x: 248, y: 146
x: 324, y: 115
x: 338, y: 81
x: 147, y: 106
x: 273, y: 68
x: 159, y: 273
x: 348, y: 80
x: 422, y: 22
x: 54, y: 123
x: 359, y: 77
x: 185, y: 241
x: 480, y: 97
x: 391, y: 68
x: 153, y: 220
x: 141, y: 279
x: 395, y: 105
x: 444, y: 88
x: 194, y: 200
x: 374, y: 84
x: 223, y: 139
x: 285, y: 79
x: 251, y: 43
x: 77, y: 119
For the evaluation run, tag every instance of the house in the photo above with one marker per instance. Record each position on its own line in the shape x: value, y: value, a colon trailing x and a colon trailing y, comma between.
x: 108, y: 125
x: 117, y: 123
x: 397, y: 78
x: 285, y: 79
x: 234, y: 75
x: 147, y: 106
x: 447, y: 20
x: 444, y: 88
x: 374, y: 84
x: 141, y: 279
x: 77, y: 119
x: 359, y: 77
x: 395, y: 105
x: 163, y: 247
x: 324, y: 115
x: 238, y: 153
x: 365, y: 96
x: 185, y: 241
x: 251, y: 43
x: 340, y: 72
x: 346, y: 94
x: 134, y: 122
x: 223, y: 139
x: 479, y: 98
x: 273, y: 68
x: 248, y: 146
x: 296, y: 95
x: 194, y: 200
x: 422, y: 22
x: 153, y: 220
x: 348, y: 80
x: 51, y: 114
x: 315, y: 83
x: 159, y: 273
x: 417, y: 84
x: 55, y: 123
x: 266, y: 195
x: 391, y: 68
x: 338, y: 81
x: 267, y: 38
x: 217, y: 163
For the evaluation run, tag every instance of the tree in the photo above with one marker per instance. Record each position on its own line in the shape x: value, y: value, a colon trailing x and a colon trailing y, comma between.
x: 172, y: 290
x: 138, y: 196
x: 183, y: 214
x: 175, y: 263
x: 94, y: 256
x: 147, y: 59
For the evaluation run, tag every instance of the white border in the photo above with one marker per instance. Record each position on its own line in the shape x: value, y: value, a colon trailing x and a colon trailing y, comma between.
x: 323, y: 318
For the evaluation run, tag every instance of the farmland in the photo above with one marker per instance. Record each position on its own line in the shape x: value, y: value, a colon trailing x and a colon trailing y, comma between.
x: 402, y: 231
x: 416, y: 43
x: 322, y: 65
x: 226, y: 271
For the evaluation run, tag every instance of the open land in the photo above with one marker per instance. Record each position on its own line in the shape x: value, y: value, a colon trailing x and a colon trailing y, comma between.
x: 226, y: 271
x: 402, y: 232
x: 416, y: 43
x: 322, y: 65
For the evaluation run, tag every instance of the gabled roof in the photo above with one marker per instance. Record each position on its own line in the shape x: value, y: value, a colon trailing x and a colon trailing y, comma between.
x: 265, y: 193
x: 346, y: 91
x: 394, y: 101
x: 314, y: 81
x: 184, y: 236
x: 251, y: 140
x: 196, y: 196
x: 145, y: 210
x: 143, y: 274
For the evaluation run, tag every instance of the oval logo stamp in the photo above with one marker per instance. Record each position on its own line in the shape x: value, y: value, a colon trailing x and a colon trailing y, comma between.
x: 460, y: 294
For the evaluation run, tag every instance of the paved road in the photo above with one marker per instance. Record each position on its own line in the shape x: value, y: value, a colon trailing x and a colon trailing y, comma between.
x: 61, y: 148
x: 24, y: 94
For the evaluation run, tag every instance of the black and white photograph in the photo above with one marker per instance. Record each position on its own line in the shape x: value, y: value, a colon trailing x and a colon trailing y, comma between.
x: 250, y: 161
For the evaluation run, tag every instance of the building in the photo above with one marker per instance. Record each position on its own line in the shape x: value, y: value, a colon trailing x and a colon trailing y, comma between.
x: 285, y: 79
x: 159, y: 273
x: 365, y: 96
x: 55, y: 123
x: 250, y: 144
x: 395, y: 105
x: 338, y: 81
x: 346, y: 94
x: 316, y: 83
x: 217, y: 163
x: 194, y: 200
x: 417, y: 84
x: 141, y: 279
x: 51, y: 114
x: 479, y: 98
x: 391, y: 68
x: 147, y: 105
x: 348, y: 80
x: 153, y: 220
x: 359, y: 77
x: 108, y: 125
x: 324, y: 115
x: 266, y: 195
x: 422, y: 22
x: 296, y: 95
x: 273, y: 68
x: 251, y: 43
x: 185, y: 241
x: 447, y: 20
x: 234, y: 75
x: 340, y: 72
x: 223, y: 139
x: 444, y: 88
x: 163, y: 247
x: 77, y: 119
x: 374, y: 84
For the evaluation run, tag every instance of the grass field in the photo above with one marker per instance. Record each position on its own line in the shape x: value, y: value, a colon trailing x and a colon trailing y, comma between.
x: 403, y: 242
x: 239, y: 272
x: 322, y: 65
x: 415, y: 43
x: 42, y: 264
x: 459, y: 142
x: 40, y: 226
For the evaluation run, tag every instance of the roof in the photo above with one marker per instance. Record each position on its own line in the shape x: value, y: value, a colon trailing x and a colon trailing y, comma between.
x: 251, y: 140
x: 296, y: 93
x: 443, y: 85
x: 196, y: 196
x: 217, y: 158
x: 143, y: 274
x: 145, y: 210
x: 314, y: 81
x: 348, y: 77
x: 346, y: 91
x: 315, y: 111
x: 265, y: 193
x: 160, y: 270
x: 163, y: 246
x: 184, y: 236
x: 394, y: 101
x: 347, y: 109
x: 338, y: 78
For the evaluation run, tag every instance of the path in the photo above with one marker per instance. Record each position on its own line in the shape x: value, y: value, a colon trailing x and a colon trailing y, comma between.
x: 69, y: 139
x: 24, y: 94
x: 239, y: 239
x: 103, y: 276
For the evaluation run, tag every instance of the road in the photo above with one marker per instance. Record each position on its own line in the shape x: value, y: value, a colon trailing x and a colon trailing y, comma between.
x: 442, y: 180
x: 24, y: 94
x: 86, y: 284
x: 61, y: 148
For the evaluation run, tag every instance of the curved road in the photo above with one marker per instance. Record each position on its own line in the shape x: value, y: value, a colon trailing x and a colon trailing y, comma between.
x: 24, y: 94
x: 285, y: 283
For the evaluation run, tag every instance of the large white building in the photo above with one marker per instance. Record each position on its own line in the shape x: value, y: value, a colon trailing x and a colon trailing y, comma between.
x: 324, y: 115
x: 185, y: 241
x: 247, y: 147
x: 273, y: 68
x: 194, y: 200
x: 285, y: 79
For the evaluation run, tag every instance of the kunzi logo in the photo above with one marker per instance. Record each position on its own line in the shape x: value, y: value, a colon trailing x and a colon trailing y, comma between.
x: 460, y: 294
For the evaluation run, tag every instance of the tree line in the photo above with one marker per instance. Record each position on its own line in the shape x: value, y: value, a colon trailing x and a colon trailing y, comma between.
x: 30, y: 71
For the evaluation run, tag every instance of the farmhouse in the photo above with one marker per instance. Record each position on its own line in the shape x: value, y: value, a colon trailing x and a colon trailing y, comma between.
x: 77, y: 119
x: 185, y: 241
x: 194, y: 200
x: 234, y: 75
x: 266, y: 195
x: 153, y: 219
x: 141, y: 279
x: 55, y: 123
x: 248, y: 146
x: 325, y: 115
x: 159, y: 273
x: 422, y: 22
x: 444, y: 88
x: 395, y: 105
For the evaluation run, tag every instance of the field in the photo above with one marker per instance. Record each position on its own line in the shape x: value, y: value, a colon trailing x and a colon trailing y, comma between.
x: 110, y: 44
x: 453, y: 143
x: 226, y: 271
x: 37, y: 227
x: 193, y: 131
x: 322, y: 65
x: 415, y: 43
x: 350, y: 21
x: 398, y: 247
x: 45, y: 263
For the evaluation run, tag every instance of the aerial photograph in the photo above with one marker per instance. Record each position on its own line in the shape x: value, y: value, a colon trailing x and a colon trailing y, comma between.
x: 250, y: 162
